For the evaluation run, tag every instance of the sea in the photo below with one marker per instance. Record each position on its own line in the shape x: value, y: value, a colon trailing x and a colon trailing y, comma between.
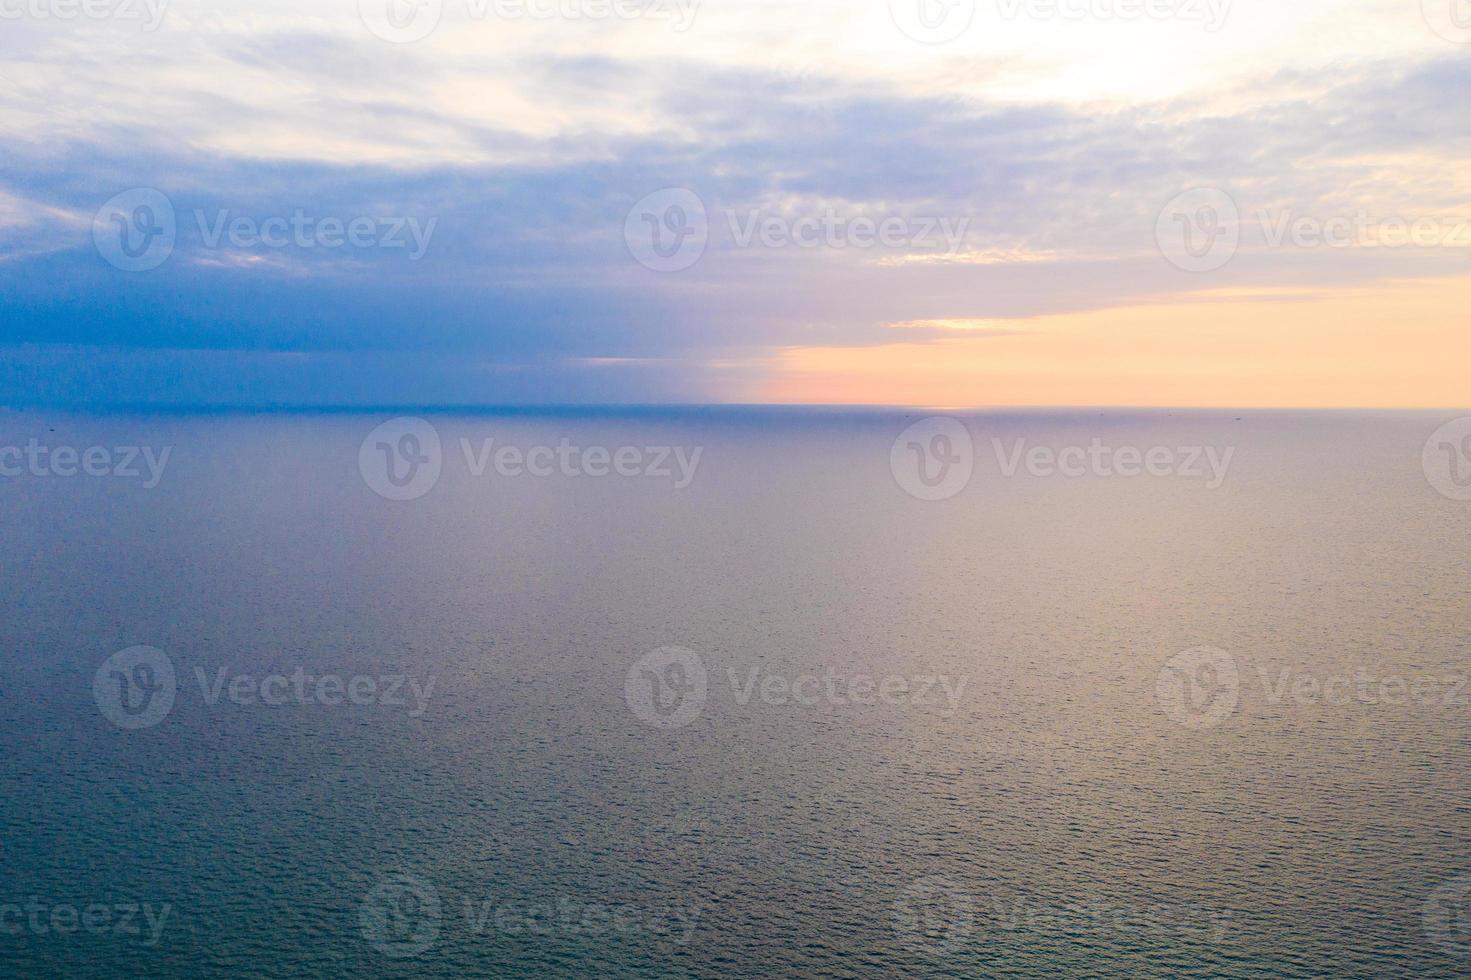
x: 735, y: 692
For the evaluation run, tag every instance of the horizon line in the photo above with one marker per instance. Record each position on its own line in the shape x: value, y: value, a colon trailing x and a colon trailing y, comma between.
x: 185, y: 408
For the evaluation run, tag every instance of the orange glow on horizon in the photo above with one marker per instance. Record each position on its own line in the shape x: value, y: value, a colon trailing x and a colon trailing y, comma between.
x: 1398, y: 345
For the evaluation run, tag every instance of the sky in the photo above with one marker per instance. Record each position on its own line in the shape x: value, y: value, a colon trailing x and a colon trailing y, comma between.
x: 957, y: 203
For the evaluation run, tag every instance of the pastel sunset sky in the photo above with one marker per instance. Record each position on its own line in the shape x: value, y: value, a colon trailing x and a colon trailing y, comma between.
x: 892, y: 202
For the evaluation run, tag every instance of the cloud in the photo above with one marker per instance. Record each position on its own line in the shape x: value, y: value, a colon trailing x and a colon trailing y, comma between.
x: 528, y: 158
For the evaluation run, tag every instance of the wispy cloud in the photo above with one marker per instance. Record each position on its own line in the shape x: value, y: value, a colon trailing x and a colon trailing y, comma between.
x: 528, y: 143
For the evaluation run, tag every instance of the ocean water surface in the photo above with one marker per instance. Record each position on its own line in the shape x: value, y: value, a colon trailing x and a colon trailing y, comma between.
x: 734, y: 692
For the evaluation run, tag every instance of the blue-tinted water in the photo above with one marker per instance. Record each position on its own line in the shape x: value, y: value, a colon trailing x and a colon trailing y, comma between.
x: 1051, y: 725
